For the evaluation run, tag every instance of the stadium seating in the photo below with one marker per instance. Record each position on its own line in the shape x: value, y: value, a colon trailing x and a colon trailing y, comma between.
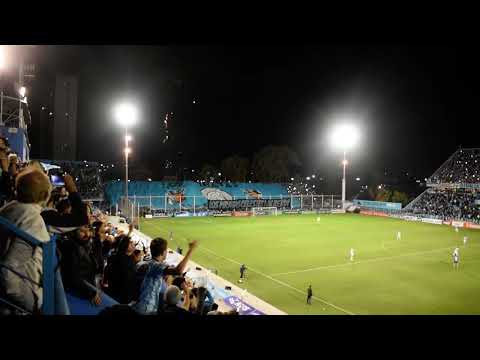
x: 187, y: 190
x: 454, y: 190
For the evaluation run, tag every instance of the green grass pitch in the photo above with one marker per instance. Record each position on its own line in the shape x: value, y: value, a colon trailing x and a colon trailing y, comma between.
x: 286, y: 253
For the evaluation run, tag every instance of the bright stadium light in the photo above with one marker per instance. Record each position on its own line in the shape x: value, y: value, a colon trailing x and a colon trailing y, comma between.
x: 345, y: 137
x: 22, y: 91
x: 3, y: 57
x: 126, y: 114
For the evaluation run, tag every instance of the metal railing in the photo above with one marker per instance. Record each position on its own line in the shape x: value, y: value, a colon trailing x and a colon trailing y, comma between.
x: 54, y: 301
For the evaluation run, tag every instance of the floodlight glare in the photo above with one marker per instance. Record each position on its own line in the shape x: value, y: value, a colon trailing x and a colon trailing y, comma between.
x: 128, y: 138
x: 344, y: 162
x: 22, y: 91
x: 127, y: 150
x: 3, y: 57
x: 126, y: 114
x: 345, y: 136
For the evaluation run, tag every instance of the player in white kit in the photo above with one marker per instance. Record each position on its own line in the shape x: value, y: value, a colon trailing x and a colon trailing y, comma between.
x: 456, y: 256
x: 456, y: 229
x: 465, y: 239
x: 399, y: 235
x: 352, y: 254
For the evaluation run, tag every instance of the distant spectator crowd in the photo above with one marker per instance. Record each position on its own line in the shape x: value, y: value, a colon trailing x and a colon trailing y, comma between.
x: 463, y: 167
x: 448, y: 205
x: 96, y: 258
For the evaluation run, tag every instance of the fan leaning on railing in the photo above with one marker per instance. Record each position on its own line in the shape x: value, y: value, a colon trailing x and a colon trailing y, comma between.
x: 54, y: 301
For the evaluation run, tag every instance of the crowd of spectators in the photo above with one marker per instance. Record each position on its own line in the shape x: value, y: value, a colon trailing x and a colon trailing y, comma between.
x: 96, y: 257
x: 86, y: 175
x: 462, y: 167
x: 449, y: 205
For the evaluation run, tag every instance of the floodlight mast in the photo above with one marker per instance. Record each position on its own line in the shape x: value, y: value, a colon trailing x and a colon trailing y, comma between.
x: 344, y: 181
x: 344, y: 136
x: 126, y: 115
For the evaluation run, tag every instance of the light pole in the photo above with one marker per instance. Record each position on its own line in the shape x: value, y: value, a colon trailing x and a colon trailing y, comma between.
x: 344, y: 181
x: 126, y: 115
x: 345, y: 137
x: 127, y: 151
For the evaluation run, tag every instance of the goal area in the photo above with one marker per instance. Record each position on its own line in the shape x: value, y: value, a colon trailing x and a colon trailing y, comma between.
x: 264, y: 211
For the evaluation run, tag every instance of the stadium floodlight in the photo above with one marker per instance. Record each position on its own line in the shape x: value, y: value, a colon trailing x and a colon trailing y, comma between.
x: 126, y: 115
x: 345, y: 137
x: 22, y: 91
x: 3, y: 57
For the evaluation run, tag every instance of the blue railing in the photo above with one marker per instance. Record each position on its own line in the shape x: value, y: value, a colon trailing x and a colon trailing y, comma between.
x: 54, y: 300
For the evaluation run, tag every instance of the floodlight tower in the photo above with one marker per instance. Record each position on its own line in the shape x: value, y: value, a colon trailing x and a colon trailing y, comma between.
x: 126, y: 116
x: 345, y: 137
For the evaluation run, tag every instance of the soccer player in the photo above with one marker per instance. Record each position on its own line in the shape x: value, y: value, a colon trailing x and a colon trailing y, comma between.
x: 352, y: 254
x: 465, y: 239
x: 456, y: 229
x: 243, y: 268
x: 309, y: 295
x: 456, y: 256
x: 399, y: 235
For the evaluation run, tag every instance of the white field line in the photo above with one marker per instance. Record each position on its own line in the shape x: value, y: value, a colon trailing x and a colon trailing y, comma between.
x: 276, y: 280
x: 366, y: 261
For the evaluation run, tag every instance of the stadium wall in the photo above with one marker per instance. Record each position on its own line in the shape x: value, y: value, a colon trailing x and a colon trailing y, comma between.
x: 380, y: 205
x: 189, y: 191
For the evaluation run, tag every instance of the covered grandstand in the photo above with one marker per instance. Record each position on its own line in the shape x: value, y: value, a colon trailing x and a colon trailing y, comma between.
x: 453, y: 191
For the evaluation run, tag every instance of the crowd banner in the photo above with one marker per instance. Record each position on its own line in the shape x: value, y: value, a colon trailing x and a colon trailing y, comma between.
x: 245, y: 204
x: 470, y: 225
x: 380, y: 205
x: 432, y: 221
x: 412, y: 218
x: 373, y: 213
x: 458, y: 223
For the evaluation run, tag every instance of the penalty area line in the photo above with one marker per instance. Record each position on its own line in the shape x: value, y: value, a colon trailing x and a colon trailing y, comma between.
x: 363, y: 261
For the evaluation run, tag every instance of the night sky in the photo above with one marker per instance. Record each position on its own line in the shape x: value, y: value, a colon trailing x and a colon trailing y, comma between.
x: 415, y: 104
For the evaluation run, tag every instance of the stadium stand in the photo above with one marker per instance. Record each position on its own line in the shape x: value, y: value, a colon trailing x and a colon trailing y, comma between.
x: 453, y: 190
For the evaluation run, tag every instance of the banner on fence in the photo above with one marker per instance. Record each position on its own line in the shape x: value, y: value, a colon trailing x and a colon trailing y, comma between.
x: 378, y: 204
x: 241, y: 213
x: 373, y: 213
x: 458, y: 223
x: 242, y: 307
x: 433, y: 221
x: 297, y: 211
x: 247, y: 204
x: 470, y: 225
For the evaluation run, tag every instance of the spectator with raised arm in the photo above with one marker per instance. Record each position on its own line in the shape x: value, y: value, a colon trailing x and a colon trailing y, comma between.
x: 63, y: 223
x: 153, y: 285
